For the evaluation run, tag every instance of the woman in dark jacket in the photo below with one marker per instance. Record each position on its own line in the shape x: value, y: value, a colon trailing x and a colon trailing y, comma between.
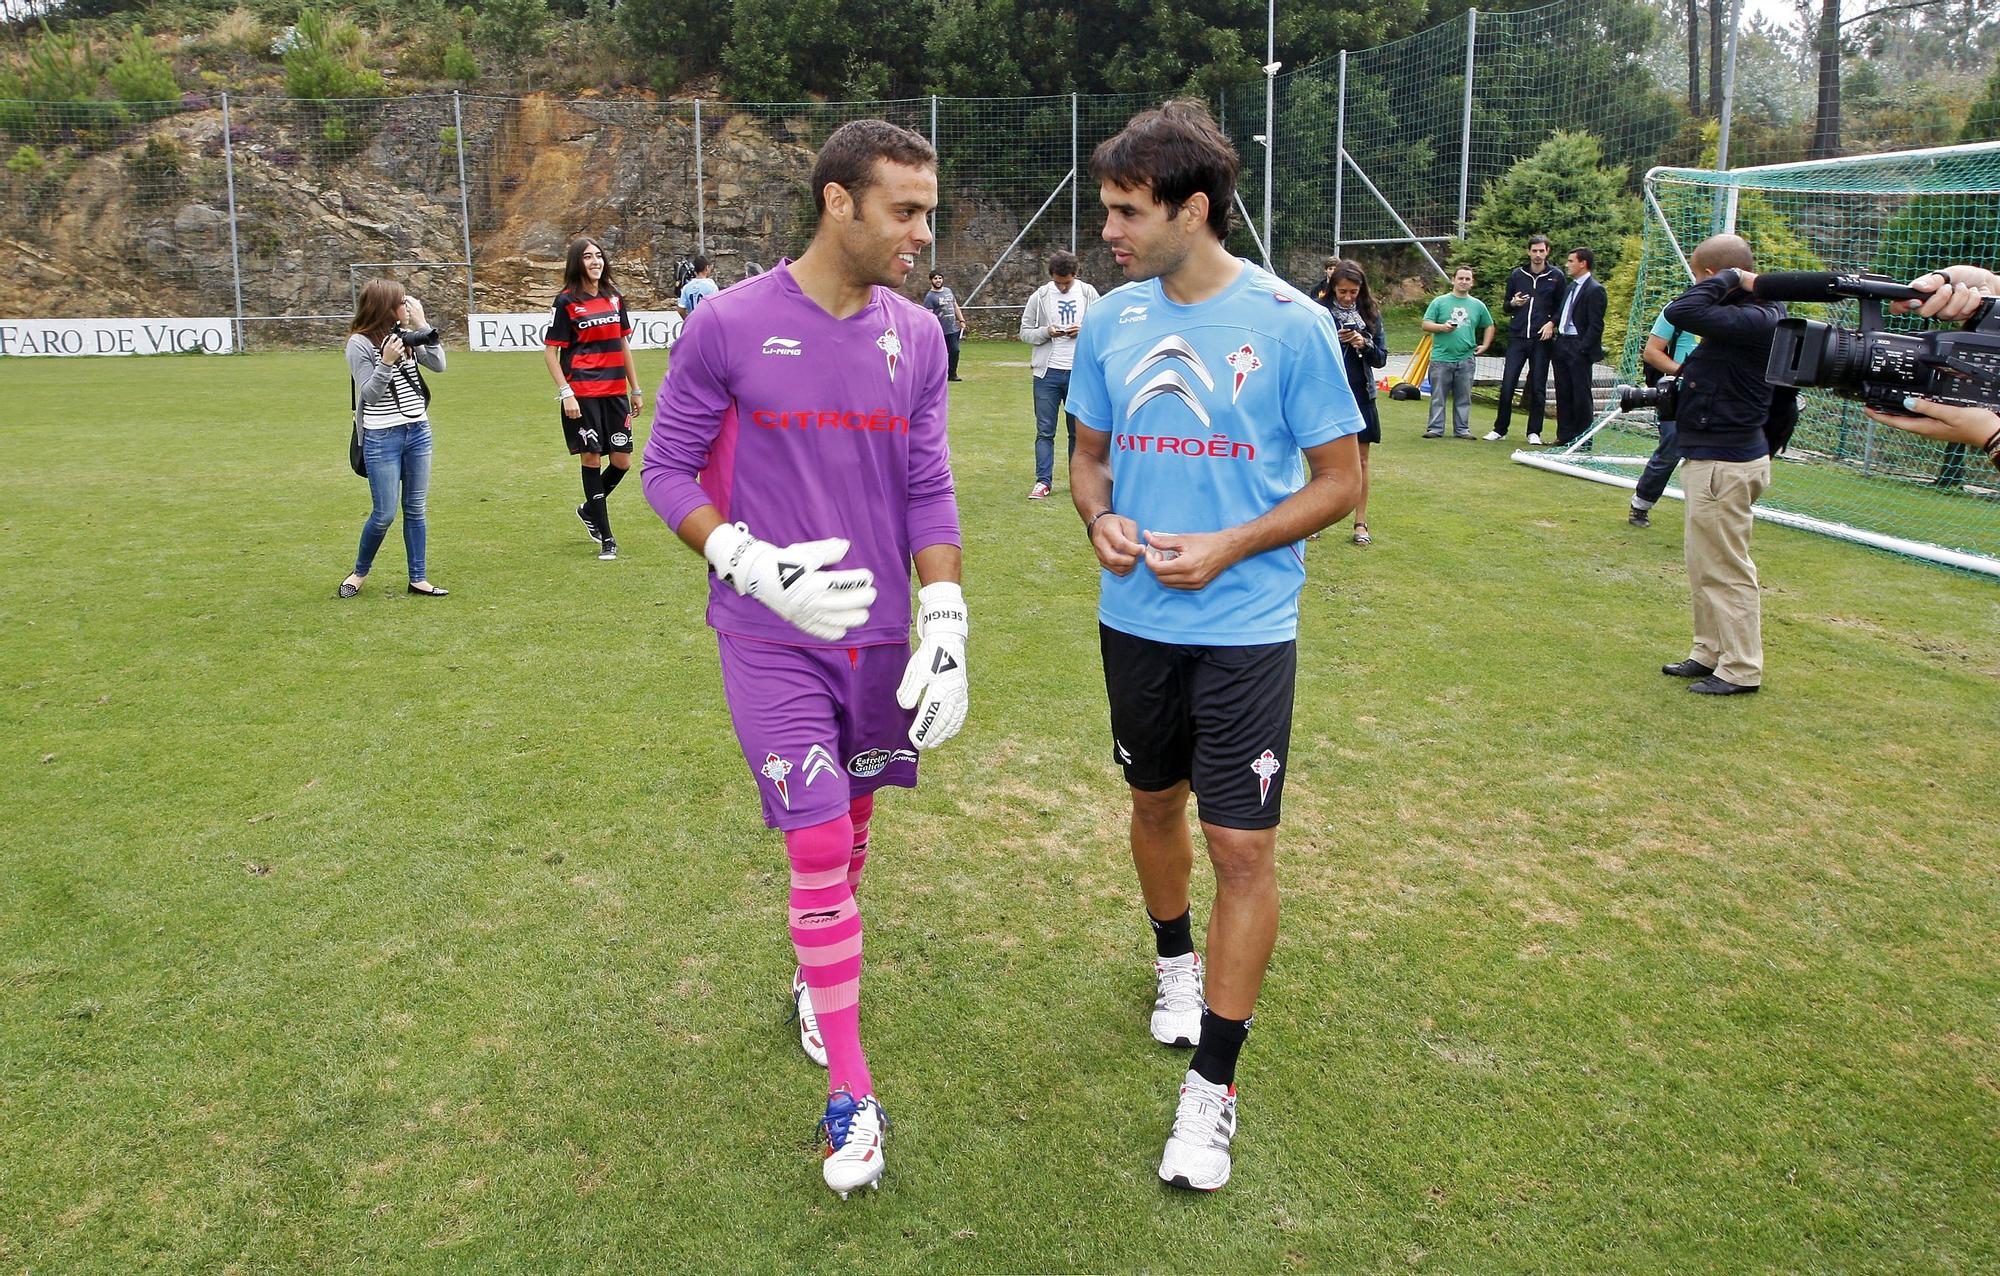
x: 1364, y: 349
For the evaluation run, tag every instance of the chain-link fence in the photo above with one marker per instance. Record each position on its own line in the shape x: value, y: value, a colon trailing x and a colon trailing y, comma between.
x: 269, y: 211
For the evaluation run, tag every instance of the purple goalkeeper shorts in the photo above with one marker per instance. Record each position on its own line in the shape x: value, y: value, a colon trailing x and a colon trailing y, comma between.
x: 819, y: 725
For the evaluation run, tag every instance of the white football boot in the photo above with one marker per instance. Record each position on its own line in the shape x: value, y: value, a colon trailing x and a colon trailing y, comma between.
x: 853, y: 1130
x: 1197, y: 1154
x: 1177, y: 1007
x: 802, y: 1010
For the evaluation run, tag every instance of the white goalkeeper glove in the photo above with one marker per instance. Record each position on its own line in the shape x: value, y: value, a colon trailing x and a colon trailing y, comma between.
x: 792, y: 581
x: 934, y: 681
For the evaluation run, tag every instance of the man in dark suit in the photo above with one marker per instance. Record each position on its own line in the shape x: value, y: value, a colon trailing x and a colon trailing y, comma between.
x: 1578, y: 334
x: 1534, y: 291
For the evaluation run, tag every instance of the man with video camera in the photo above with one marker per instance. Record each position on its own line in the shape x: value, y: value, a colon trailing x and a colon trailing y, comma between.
x: 1724, y: 413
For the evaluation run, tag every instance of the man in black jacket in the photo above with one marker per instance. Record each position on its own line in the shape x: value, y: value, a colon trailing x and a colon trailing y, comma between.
x: 1725, y: 463
x: 1578, y: 332
x: 1533, y: 292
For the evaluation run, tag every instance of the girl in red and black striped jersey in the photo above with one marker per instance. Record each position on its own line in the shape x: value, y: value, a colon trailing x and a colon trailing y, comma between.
x: 590, y: 356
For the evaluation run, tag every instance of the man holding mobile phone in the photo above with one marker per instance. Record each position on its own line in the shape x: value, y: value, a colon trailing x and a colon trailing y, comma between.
x: 1050, y: 323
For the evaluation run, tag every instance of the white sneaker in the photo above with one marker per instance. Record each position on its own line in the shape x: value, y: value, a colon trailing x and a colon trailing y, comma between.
x: 802, y: 1010
x: 1490, y: 436
x: 853, y: 1130
x: 1039, y: 492
x: 1177, y: 1008
x: 1535, y: 439
x: 1197, y: 1154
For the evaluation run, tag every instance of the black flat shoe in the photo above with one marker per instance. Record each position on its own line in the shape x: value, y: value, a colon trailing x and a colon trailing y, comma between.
x: 432, y: 592
x: 1714, y: 686
x: 1687, y: 669
x: 348, y: 589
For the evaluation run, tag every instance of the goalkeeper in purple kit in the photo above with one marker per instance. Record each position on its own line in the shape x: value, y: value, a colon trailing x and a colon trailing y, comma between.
x: 799, y: 445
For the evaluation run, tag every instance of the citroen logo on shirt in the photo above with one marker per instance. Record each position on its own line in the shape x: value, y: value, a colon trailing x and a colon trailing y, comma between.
x: 1172, y: 356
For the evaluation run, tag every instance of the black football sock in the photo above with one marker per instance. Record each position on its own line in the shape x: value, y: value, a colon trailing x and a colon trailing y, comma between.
x: 1174, y: 938
x: 613, y: 476
x: 593, y: 499
x: 1221, y: 1041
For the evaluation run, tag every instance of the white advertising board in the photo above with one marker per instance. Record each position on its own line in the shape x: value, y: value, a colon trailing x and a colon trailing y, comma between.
x: 651, y: 330
x: 71, y: 337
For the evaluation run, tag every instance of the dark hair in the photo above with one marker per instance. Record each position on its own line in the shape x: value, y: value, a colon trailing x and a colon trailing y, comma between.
x: 1584, y: 255
x: 1467, y: 269
x: 1543, y: 240
x: 1062, y: 262
x: 1350, y: 271
x: 849, y: 156
x: 1176, y: 151
x: 375, y: 310
x: 573, y: 279
x: 937, y: 274
x: 700, y: 263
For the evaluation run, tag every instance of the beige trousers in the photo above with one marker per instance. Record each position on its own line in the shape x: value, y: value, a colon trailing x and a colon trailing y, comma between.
x: 1728, y: 626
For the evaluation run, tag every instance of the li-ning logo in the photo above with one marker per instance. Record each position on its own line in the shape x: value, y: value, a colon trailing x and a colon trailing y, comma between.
x: 1242, y: 362
x: 1169, y: 381
x: 775, y: 769
x: 1266, y: 766
x: 818, y: 762
x: 1132, y: 314
x: 782, y: 345
x: 891, y: 347
x: 875, y: 761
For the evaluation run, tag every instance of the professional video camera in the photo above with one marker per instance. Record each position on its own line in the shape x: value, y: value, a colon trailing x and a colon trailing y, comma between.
x: 1878, y: 367
x: 1663, y: 396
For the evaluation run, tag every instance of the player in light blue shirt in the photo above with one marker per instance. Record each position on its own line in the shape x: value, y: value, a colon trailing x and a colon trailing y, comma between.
x: 1197, y: 385
x: 696, y: 288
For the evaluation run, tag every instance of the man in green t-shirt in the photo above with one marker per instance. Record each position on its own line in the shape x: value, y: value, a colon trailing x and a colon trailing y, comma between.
x: 1461, y: 328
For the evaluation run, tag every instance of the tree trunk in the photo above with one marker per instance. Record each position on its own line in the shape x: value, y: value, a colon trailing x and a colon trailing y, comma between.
x: 1694, y: 56
x: 1718, y: 26
x: 1826, y: 117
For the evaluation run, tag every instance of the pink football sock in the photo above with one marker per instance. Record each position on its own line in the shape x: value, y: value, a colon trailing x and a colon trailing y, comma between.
x: 826, y: 931
x: 859, y: 810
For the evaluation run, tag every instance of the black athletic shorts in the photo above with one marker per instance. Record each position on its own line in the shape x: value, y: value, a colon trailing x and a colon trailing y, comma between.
x: 605, y: 426
x: 1217, y: 717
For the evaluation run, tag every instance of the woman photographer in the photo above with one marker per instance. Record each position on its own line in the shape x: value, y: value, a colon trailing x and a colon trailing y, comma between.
x: 388, y: 338
x: 1956, y: 293
x: 1363, y: 349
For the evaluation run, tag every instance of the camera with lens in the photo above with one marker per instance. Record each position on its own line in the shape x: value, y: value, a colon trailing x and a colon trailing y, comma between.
x: 1872, y: 364
x: 414, y: 337
x: 1663, y: 396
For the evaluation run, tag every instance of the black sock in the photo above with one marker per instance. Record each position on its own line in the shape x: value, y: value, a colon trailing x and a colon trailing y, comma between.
x: 613, y: 476
x: 1221, y: 1041
x: 1174, y: 938
x: 593, y: 499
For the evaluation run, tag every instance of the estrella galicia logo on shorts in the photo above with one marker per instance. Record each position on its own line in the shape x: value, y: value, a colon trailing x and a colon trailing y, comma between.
x: 1266, y: 766
x: 621, y: 438
x: 818, y: 762
x: 872, y: 762
x: 775, y: 769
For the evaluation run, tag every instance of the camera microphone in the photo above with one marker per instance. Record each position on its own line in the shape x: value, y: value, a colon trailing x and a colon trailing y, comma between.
x: 1824, y: 285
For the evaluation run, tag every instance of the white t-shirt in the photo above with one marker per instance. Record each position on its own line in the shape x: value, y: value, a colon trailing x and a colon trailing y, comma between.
x: 1066, y: 308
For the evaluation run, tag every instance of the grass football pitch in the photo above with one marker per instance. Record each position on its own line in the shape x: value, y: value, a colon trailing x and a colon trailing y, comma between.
x: 390, y: 934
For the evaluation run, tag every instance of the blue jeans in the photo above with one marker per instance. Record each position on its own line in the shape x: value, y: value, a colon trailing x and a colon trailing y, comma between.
x: 1659, y: 468
x: 1051, y: 391
x: 399, y: 463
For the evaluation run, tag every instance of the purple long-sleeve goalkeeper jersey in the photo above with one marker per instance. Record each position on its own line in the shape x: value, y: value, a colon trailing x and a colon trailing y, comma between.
x: 802, y: 426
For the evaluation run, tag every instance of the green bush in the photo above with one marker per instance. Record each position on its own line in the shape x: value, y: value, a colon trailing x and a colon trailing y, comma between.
x: 325, y: 60
x: 142, y: 78
x: 512, y: 29
x: 26, y: 162
x: 459, y: 64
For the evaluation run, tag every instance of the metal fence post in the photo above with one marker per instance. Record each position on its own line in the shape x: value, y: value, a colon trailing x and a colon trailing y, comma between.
x: 1728, y: 90
x: 934, y: 151
x: 1072, y: 172
x: 1339, y: 149
x: 229, y: 182
x: 700, y: 193
x: 1465, y: 147
x: 464, y: 206
x: 1270, y: 117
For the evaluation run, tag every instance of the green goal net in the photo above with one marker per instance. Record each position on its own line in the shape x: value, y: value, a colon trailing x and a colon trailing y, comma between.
x: 1898, y: 214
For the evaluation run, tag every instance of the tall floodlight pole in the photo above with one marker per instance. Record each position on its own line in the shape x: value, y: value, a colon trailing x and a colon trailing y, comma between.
x: 1728, y: 88
x: 1270, y: 138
